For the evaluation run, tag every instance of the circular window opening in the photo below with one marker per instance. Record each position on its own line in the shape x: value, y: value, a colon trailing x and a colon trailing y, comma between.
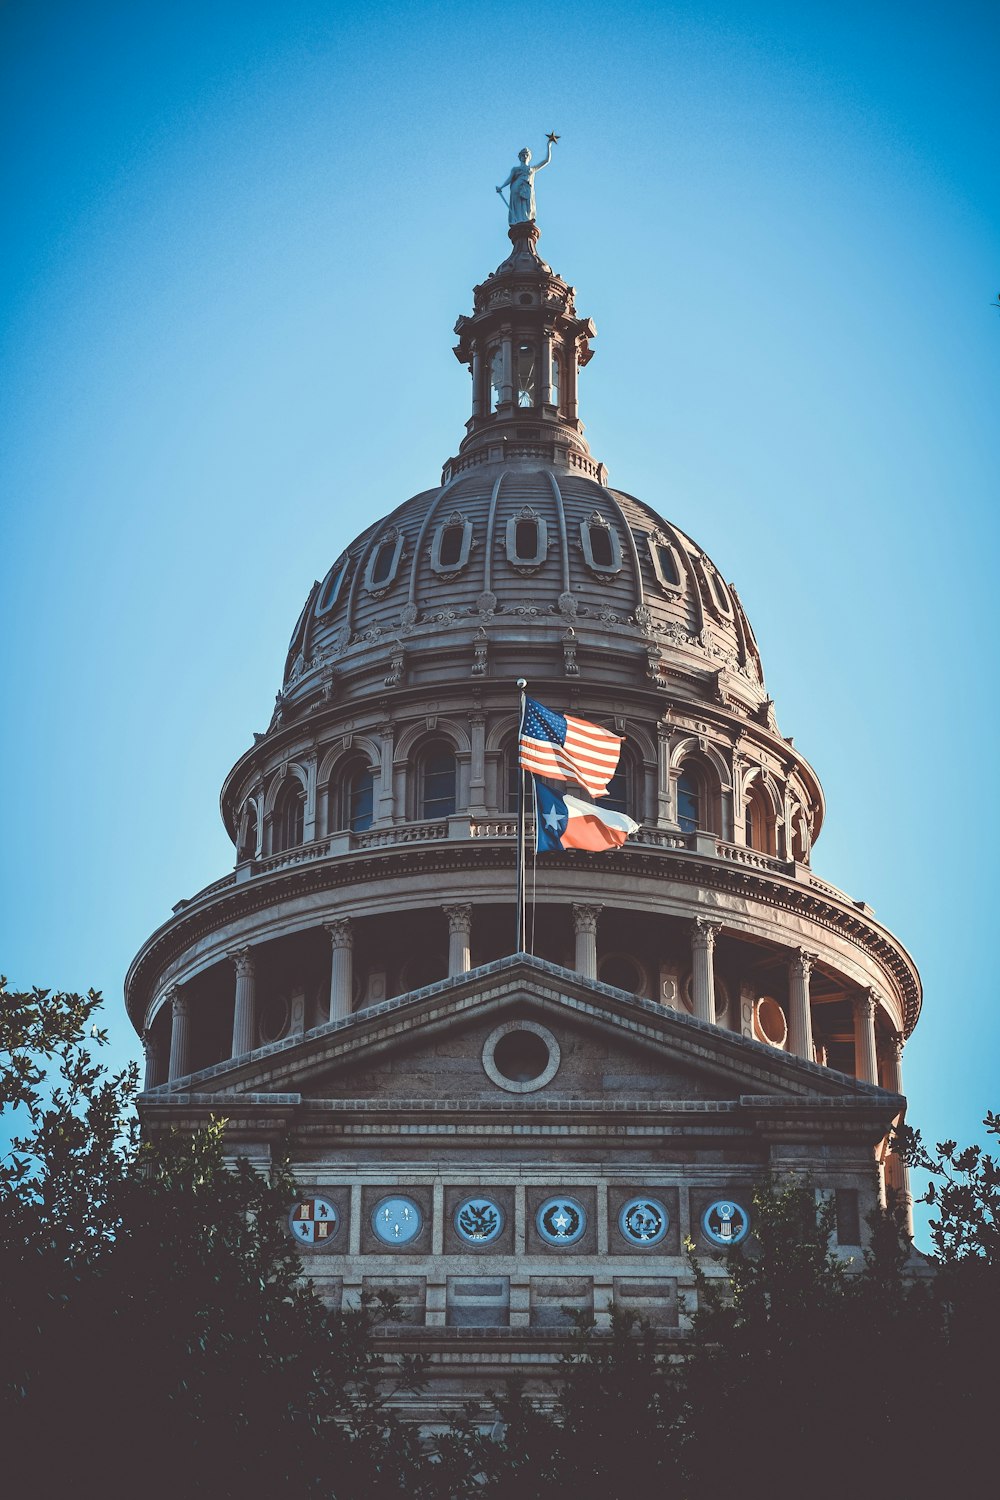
x: 769, y: 1024
x: 623, y: 972
x: 274, y: 1018
x: 521, y: 1056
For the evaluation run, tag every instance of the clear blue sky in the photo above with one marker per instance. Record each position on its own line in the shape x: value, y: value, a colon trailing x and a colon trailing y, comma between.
x: 237, y: 239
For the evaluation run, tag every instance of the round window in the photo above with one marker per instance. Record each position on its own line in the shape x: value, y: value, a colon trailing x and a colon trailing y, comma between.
x: 769, y: 1024
x: 314, y: 1222
x: 521, y: 1056
x: 725, y: 1222
x: 478, y: 1221
x: 274, y: 1018
x: 397, y: 1221
x: 623, y: 972
x: 643, y: 1221
x: 561, y: 1221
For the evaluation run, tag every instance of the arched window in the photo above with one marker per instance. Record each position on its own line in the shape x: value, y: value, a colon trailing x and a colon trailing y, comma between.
x: 332, y: 586
x: 352, y: 802
x: 527, y: 375
x: 555, y: 381
x: 511, y: 773
x: 248, y: 843
x: 496, y: 378
x: 624, y: 793
x: 601, y: 548
x: 527, y: 539
x: 695, y: 799
x: 758, y: 822
x: 288, y: 818
x: 437, y: 781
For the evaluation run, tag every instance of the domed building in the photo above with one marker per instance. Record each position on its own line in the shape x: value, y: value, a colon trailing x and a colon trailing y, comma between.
x: 498, y: 1135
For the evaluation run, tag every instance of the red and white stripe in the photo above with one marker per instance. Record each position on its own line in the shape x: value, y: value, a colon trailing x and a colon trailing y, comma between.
x: 589, y: 756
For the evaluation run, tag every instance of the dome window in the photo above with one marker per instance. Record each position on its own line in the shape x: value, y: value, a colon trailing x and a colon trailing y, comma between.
x: 352, y: 803
x: 332, y: 586
x: 384, y: 562
x: 437, y: 781
x: 527, y: 540
x: 248, y: 839
x: 718, y: 593
x: 666, y: 563
x: 527, y: 375
x: 288, y: 820
x: 452, y: 545
x: 555, y: 381
x: 696, y: 799
x: 601, y: 549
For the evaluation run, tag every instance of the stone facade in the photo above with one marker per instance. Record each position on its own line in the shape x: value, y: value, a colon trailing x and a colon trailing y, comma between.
x: 538, y: 1131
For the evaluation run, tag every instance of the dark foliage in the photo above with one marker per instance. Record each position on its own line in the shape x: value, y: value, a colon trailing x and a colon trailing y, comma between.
x: 157, y: 1336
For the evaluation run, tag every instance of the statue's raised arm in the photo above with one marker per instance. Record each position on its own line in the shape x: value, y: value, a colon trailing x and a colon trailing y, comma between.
x: 521, y: 181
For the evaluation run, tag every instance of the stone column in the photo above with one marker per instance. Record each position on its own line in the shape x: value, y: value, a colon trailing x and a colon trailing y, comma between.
x: 897, y: 1173
x: 477, y: 765
x: 545, y: 391
x: 459, y: 939
x: 570, y: 376
x: 663, y: 818
x: 703, y: 936
x: 865, y: 1064
x: 180, y: 1033
x: 244, y: 1017
x: 153, y: 1054
x: 585, y: 927
x: 507, y: 386
x: 800, y: 1037
x: 341, y: 968
x: 384, y: 810
x: 477, y: 375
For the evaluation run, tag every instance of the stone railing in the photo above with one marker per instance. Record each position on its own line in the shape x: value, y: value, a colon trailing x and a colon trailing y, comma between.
x: 464, y: 827
x: 403, y: 833
x: 739, y: 854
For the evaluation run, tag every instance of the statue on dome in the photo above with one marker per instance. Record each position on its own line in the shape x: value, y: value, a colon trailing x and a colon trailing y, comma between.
x: 521, y: 181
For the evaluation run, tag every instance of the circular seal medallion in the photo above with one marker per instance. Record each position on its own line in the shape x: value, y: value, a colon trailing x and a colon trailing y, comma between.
x: 725, y: 1222
x: 478, y: 1221
x: 561, y: 1221
x: 314, y: 1222
x: 643, y: 1221
x: 397, y: 1220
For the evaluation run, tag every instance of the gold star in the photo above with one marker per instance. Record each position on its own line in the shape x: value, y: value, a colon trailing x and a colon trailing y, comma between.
x: 552, y: 138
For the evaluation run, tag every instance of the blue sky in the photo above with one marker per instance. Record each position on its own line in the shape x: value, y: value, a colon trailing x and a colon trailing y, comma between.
x: 237, y: 239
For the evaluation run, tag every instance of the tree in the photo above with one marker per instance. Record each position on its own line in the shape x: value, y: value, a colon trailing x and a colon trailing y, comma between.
x: 156, y: 1330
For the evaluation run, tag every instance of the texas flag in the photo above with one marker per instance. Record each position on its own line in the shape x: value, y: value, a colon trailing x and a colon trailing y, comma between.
x: 568, y: 823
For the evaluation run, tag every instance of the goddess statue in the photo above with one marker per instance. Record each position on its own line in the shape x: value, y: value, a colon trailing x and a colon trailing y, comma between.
x: 521, y: 181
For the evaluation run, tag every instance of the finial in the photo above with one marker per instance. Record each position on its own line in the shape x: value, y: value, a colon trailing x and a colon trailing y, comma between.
x: 521, y: 181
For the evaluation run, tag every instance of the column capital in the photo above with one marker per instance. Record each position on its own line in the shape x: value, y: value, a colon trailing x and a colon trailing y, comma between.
x: 245, y: 962
x: 865, y: 1004
x: 151, y: 1045
x: 585, y: 918
x: 801, y: 961
x: 704, y: 933
x: 890, y: 1046
x: 178, y: 1001
x: 459, y: 918
x: 341, y: 932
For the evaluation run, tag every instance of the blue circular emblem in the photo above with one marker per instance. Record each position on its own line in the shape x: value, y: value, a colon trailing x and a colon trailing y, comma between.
x: 561, y: 1221
x: 643, y: 1221
x: 397, y: 1221
x: 725, y: 1222
x: 478, y: 1221
x: 314, y: 1222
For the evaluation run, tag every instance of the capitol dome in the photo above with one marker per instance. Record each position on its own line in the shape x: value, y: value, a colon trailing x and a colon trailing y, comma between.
x: 684, y: 1011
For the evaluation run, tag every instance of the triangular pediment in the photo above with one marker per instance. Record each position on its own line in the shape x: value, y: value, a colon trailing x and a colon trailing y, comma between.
x: 444, y: 1045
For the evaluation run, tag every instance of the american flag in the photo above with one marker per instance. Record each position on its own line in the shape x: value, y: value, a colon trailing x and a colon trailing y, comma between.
x: 553, y: 744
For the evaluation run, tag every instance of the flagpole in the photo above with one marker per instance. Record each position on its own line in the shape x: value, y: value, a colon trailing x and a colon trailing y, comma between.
x: 519, y: 923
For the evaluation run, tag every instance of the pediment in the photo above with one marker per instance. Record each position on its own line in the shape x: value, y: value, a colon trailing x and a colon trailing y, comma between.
x: 439, y: 1046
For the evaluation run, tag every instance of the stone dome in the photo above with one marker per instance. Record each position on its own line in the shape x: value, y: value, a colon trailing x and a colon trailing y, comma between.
x: 535, y: 556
